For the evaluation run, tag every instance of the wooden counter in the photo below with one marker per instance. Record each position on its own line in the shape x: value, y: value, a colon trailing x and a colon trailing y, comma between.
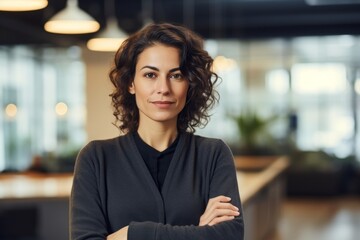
x: 262, y: 189
x: 34, y: 186
x: 253, y: 174
x: 47, y: 195
x: 37, y: 204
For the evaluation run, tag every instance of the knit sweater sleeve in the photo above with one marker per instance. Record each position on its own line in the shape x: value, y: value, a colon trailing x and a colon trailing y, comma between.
x: 87, y: 219
x: 223, y: 182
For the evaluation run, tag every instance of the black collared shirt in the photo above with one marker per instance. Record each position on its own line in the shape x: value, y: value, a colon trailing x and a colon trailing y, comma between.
x: 157, y: 162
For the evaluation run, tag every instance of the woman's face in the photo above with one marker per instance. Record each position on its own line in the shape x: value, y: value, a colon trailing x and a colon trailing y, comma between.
x: 159, y: 87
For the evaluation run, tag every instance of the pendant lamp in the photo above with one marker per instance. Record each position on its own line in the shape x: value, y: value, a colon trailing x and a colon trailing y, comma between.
x: 110, y: 39
x: 72, y: 20
x: 22, y: 5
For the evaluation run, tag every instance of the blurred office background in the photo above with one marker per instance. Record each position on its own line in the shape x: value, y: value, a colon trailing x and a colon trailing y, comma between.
x: 290, y: 87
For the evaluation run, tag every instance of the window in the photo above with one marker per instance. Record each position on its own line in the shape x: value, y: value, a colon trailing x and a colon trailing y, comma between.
x: 42, y: 103
x: 321, y: 92
x: 310, y: 83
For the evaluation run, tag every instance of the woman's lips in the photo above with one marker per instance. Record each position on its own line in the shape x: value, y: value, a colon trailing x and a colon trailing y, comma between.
x: 162, y: 104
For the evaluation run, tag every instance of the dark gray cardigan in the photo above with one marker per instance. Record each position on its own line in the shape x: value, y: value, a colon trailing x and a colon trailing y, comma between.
x: 113, y: 188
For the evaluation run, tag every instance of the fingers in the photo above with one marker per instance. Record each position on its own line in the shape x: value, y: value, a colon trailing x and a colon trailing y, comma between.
x: 219, y: 209
x: 219, y: 213
x: 220, y: 219
x: 220, y: 202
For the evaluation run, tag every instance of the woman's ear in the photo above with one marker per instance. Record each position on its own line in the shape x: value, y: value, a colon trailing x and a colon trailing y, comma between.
x: 132, y: 88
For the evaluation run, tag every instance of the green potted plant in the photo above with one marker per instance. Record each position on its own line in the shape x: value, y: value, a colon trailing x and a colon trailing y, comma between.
x: 254, y: 137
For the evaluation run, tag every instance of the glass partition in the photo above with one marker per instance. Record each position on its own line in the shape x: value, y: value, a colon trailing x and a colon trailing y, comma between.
x: 308, y: 83
x: 42, y: 98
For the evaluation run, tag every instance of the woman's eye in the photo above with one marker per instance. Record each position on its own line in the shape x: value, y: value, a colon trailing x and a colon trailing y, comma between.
x: 178, y: 76
x: 150, y: 75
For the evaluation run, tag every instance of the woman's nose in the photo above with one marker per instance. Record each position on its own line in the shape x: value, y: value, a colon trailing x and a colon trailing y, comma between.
x: 162, y: 86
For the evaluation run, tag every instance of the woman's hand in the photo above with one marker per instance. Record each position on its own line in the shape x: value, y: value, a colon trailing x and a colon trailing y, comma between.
x: 218, y: 209
x: 119, y: 235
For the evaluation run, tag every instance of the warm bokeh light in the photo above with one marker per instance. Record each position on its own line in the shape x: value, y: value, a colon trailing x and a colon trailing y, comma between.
x: 61, y: 109
x: 109, y: 39
x: 71, y: 26
x: 11, y: 110
x: 72, y: 20
x: 105, y: 44
x: 222, y: 63
x: 22, y: 5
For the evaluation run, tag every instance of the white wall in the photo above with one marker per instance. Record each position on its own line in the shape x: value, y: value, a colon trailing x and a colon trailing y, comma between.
x: 99, y: 117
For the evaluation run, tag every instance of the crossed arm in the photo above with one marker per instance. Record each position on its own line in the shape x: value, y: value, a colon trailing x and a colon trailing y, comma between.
x: 214, y: 223
x: 218, y: 209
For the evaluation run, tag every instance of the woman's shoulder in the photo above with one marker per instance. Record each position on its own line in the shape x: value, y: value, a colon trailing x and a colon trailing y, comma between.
x: 204, y: 139
x: 207, y: 142
x: 100, y: 150
x: 101, y: 144
x: 210, y: 149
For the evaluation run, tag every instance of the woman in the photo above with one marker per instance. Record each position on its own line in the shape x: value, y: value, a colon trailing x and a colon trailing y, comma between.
x: 158, y: 181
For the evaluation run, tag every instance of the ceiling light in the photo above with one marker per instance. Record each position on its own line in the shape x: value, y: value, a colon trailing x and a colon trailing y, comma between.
x: 22, y: 5
x: 109, y: 40
x: 72, y: 20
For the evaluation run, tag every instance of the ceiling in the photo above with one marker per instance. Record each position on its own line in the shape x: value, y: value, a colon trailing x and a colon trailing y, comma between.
x: 226, y: 19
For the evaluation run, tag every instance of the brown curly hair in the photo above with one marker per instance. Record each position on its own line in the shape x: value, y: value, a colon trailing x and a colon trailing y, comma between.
x: 195, y: 65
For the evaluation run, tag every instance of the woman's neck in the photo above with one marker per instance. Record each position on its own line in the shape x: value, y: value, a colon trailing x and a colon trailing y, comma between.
x: 158, y: 137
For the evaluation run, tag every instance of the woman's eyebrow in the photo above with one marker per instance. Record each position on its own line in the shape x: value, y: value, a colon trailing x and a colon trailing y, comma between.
x: 174, y: 69
x: 151, y: 67
x: 156, y: 69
